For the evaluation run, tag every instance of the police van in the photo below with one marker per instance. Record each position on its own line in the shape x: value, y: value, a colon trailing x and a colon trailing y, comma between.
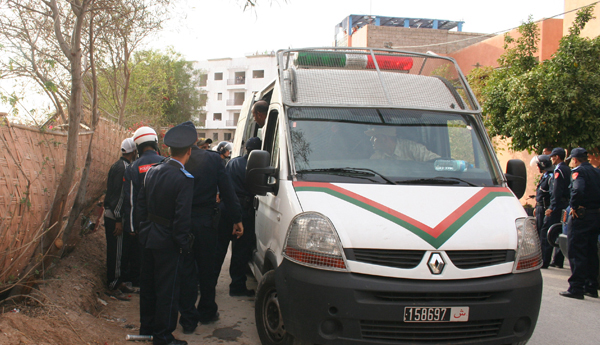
x: 382, y: 213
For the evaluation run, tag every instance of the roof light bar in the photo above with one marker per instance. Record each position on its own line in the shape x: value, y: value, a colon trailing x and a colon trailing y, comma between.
x: 352, y: 61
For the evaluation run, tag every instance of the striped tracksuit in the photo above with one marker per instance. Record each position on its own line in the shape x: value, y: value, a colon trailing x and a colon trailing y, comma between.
x: 113, y: 203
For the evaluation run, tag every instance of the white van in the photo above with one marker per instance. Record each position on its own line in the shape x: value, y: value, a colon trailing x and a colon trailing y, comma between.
x: 382, y: 214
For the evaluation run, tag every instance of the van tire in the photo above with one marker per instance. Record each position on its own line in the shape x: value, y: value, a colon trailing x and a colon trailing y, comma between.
x: 269, y: 322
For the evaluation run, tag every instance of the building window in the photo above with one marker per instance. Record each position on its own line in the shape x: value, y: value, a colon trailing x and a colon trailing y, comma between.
x: 240, y: 78
x: 258, y: 74
x: 215, y: 137
x: 218, y: 75
x: 227, y: 136
x: 203, y: 79
x: 216, y: 116
x: 219, y: 96
x: 201, y: 134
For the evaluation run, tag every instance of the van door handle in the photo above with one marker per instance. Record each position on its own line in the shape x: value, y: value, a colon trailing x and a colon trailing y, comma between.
x: 278, y: 217
x: 255, y: 203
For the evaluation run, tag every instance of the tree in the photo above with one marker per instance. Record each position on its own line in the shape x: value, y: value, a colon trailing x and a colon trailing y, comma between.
x: 553, y: 103
x: 163, y: 89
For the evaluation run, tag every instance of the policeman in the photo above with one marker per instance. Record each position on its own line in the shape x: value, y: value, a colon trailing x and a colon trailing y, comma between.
x: 146, y: 140
x: 209, y: 174
x: 584, y: 227
x: 241, y: 248
x: 204, y: 143
x: 224, y: 149
x: 559, y: 200
x: 116, y: 257
x: 164, y: 208
x: 542, y: 193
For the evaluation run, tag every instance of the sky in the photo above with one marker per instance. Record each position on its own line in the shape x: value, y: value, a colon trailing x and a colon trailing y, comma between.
x: 207, y: 29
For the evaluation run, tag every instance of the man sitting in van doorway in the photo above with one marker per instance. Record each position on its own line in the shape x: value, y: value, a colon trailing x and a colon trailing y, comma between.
x: 259, y: 112
x: 388, y: 146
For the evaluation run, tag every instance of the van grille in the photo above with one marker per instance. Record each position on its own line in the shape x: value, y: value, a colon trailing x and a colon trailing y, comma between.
x: 419, y: 297
x: 466, y: 259
x: 407, y: 259
x: 392, y: 258
x: 429, y: 333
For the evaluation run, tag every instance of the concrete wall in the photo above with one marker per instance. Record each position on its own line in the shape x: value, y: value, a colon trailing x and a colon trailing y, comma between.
x: 487, y: 52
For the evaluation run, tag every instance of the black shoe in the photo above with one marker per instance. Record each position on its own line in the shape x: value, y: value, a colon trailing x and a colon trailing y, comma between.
x: 178, y: 342
x: 571, y: 295
x: 242, y: 293
x: 553, y: 264
x: 544, y: 267
x: 211, y: 320
x: 591, y: 293
x: 189, y: 330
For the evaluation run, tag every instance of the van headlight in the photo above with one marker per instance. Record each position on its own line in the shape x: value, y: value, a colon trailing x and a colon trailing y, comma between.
x: 529, y: 251
x: 313, y: 241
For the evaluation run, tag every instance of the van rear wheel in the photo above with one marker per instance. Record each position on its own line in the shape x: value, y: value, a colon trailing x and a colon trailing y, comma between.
x: 269, y: 322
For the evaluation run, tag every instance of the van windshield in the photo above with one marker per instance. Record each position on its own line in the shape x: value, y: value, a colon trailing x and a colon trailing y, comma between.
x: 364, y: 145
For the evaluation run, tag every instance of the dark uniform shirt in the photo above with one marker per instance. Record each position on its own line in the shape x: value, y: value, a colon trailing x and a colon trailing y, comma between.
x: 559, y: 187
x: 166, y: 195
x: 542, y: 193
x: 113, y: 201
x: 585, y: 190
x: 236, y: 169
x: 134, y: 178
x: 209, y: 174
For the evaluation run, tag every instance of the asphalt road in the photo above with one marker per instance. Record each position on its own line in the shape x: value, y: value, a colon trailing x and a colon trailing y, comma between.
x: 565, y: 320
x: 562, y: 321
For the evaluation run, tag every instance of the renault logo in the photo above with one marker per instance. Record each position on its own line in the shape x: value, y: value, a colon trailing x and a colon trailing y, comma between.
x: 436, y: 263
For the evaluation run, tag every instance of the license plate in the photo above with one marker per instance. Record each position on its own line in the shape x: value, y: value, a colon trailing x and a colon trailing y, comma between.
x: 436, y: 314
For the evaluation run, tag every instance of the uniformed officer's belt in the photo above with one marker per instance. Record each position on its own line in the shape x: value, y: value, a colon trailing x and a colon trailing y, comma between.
x: 159, y: 220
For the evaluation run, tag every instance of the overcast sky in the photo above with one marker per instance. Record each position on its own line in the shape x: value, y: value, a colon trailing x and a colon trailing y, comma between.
x: 205, y: 29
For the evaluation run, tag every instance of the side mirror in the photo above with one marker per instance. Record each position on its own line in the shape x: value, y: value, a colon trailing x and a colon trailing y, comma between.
x: 516, y: 175
x: 259, y: 175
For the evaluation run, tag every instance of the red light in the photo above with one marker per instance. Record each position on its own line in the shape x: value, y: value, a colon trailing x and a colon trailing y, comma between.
x: 387, y: 62
x: 314, y: 258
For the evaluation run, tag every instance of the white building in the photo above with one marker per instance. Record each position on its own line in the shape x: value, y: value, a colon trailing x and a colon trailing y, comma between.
x: 227, y: 83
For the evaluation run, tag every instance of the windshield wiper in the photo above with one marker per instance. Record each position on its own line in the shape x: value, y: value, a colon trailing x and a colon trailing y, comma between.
x: 437, y: 180
x: 345, y: 171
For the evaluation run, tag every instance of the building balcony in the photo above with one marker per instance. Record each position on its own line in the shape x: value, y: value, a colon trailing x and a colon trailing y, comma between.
x: 235, y: 102
x: 231, y: 123
x: 237, y: 81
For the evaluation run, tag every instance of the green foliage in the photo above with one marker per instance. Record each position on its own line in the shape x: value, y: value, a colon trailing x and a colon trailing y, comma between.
x: 555, y: 103
x: 163, y: 89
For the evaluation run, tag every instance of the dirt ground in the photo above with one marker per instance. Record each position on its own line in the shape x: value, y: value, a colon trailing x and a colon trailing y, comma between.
x: 71, y: 308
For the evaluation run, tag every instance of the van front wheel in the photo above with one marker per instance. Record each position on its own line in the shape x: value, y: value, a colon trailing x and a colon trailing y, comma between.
x: 269, y: 322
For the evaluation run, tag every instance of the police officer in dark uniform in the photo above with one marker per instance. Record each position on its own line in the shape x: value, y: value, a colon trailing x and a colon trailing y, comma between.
x: 209, y: 175
x: 164, y: 209
x: 241, y: 248
x: 584, y: 227
x: 146, y: 141
x: 559, y: 200
x: 542, y: 194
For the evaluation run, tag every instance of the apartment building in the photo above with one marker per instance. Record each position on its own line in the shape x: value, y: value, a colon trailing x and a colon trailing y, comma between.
x: 227, y: 83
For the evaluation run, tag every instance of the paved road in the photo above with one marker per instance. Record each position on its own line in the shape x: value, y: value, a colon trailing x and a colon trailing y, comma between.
x: 565, y: 320
x: 562, y: 320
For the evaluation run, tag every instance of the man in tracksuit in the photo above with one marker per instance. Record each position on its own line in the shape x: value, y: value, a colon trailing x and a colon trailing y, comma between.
x: 115, y: 241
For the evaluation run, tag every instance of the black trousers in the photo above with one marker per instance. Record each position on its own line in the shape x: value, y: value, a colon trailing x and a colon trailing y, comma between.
x: 117, y: 255
x: 583, y: 252
x: 241, y: 248
x: 205, y: 246
x: 160, y: 281
x: 550, y: 220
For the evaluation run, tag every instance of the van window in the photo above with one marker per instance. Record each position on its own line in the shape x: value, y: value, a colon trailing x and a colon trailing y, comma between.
x: 404, y: 146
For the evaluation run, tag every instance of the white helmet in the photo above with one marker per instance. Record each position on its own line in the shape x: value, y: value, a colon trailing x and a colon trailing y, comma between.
x: 145, y: 134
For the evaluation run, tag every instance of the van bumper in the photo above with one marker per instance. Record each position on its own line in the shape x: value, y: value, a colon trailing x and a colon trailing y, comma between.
x: 327, y: 307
